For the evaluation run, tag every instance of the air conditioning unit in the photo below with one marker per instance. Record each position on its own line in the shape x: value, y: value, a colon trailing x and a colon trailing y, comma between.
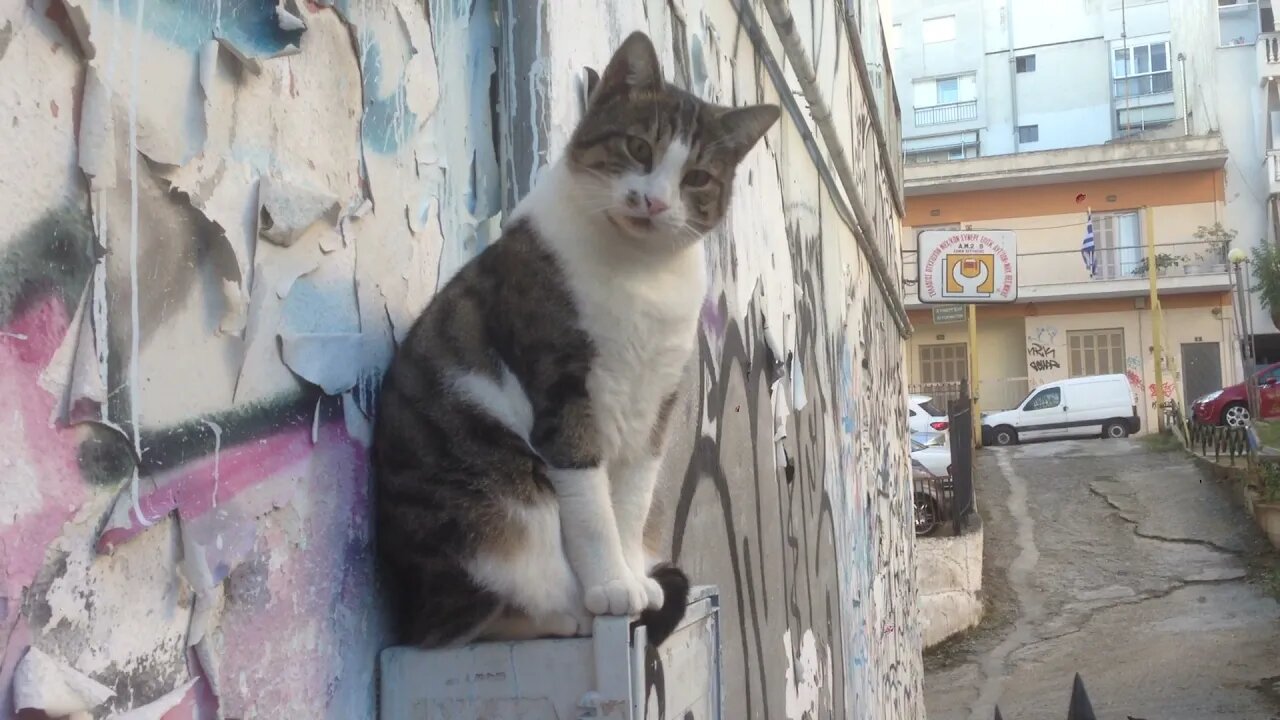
x: 614, y: 674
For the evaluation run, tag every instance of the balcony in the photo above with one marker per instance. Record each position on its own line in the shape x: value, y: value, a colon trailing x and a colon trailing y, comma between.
x: 1273, y: 171
x: 945, y: 114
x: 1182, y: 267
x: 1268, y: 56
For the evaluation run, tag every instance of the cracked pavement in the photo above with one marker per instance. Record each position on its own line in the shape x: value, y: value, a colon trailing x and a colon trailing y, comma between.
x: 1121, y: 563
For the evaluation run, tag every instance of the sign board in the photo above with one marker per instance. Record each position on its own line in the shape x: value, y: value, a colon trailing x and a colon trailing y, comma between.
x: 968, y: 266
x: 944, y: 314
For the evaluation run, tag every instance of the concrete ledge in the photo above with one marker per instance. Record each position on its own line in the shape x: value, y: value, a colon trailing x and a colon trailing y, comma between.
x: 949, y: 572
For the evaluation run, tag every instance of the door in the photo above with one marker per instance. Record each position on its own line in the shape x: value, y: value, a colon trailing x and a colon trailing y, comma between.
x: 1201, y: 370
x: 1043, y: 415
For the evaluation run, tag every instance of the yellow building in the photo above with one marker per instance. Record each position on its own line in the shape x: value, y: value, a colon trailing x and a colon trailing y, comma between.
x: 1068, y: 322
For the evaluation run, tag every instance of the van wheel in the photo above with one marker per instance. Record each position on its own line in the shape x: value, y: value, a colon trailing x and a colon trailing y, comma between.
x: 1004, y: 435
x: 1115, y: 430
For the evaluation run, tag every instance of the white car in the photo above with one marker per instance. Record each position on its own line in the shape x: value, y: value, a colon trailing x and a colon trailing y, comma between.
x: 924, y: 416
x: 1096, y: 405
x: 932, y: 451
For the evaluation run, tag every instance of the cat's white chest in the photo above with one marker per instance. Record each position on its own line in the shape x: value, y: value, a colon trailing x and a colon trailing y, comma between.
x: 644, y: 331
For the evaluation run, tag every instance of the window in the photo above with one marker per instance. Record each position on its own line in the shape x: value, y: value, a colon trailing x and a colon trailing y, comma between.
x: 939, y: 29
x: 1118, y: 246
x: 938, y: 101
x: 895, y: 37
x: 1025, y: 63
x: 1141, y: 70
x: 1095, y: 352
x: 1147, y: 117
x: 1028, y: 133
x: 1045, y: 399
x: 944, y: 363
x: 948, y: 90
x: 1238, y: 22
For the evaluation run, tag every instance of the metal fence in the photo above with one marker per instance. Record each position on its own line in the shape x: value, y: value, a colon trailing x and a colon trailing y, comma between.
x: 960, y: 437
x: 942, y: 393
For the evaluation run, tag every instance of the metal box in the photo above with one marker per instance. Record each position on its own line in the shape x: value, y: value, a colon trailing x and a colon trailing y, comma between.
x: 613, y: 674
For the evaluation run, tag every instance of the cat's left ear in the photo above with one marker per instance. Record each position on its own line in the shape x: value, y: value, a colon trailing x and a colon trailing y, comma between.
x: 746, y: 125
x: 634, y: 66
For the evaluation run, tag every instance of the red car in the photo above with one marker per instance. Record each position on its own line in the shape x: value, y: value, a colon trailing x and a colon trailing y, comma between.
x: 1230, y: 405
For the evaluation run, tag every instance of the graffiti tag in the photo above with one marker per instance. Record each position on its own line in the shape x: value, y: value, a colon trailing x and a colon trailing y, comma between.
x: 1042, y: 365
x: 1041, y: 350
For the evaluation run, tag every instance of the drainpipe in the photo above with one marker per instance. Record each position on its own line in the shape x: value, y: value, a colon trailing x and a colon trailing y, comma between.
x: 784, y: 24
x: 1186, y: 99
x: 1013, y: 75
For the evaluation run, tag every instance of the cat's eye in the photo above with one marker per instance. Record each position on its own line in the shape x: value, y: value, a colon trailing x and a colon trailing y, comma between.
x: 697, y: 178
x: 639, y: 150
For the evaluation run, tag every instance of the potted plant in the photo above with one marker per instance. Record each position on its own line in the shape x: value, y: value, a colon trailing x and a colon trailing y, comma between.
x: 1267, y: 507
x: 1216, y: 241
x: 1266, y: 273
x: 1164, y: 261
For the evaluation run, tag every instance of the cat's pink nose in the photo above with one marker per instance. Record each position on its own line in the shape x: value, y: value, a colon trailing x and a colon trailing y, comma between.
x: 655, y: 207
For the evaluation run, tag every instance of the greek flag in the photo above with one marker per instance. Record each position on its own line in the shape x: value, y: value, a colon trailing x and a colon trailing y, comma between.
x: 1086, y: 248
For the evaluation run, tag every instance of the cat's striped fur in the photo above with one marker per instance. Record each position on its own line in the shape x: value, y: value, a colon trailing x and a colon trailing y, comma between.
x: 522, y: 421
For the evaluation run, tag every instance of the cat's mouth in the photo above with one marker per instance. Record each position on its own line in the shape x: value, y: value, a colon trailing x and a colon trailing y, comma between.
x: 631, y: 222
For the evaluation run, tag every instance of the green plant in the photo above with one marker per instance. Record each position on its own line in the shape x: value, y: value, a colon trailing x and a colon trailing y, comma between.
x: 1164, y: 261
x: 1266, y: 272
x: 1217, y: 239
x: 1270, y: 477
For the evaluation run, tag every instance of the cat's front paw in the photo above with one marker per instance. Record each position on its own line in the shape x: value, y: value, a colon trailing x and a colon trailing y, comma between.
x: 624, y: 595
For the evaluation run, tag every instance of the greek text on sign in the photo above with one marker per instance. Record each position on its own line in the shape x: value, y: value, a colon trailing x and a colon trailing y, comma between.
x: 968, y: 266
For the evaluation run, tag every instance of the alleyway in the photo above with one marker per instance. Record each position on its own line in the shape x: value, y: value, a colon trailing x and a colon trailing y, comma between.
x: 1116, y: 561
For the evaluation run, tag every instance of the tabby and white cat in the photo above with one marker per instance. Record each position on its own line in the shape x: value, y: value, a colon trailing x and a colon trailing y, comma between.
x: 523, y: 419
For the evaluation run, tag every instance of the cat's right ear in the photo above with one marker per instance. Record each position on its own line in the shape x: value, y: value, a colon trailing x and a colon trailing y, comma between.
x: 634, y: 66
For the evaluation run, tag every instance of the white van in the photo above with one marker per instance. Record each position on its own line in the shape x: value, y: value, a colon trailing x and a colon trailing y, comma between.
x: 1098, y: 406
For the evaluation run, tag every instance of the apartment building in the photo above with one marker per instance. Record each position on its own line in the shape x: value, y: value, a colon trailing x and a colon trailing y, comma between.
x: 1143, y: 116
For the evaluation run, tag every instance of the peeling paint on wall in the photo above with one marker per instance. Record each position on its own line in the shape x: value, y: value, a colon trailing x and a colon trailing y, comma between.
x: 220, y: 218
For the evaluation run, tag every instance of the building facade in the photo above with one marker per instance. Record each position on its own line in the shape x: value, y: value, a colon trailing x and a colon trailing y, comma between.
x: 222, y: 216
x: 1028, y: 116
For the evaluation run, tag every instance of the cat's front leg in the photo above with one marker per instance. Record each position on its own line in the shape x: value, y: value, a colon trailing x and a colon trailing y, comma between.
x: 592, y: 543
x: 631, y: 487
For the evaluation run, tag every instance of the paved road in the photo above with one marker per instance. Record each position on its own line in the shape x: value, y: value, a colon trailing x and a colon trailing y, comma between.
x: 1116, y: 561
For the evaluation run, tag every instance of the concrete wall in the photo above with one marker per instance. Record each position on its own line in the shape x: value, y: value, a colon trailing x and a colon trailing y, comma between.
x: 950, y: 572
x: 211, y: 247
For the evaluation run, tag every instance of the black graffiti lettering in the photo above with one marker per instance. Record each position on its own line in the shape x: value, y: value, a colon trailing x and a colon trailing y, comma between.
x: 1042, y: 365
x: 1041, y: 350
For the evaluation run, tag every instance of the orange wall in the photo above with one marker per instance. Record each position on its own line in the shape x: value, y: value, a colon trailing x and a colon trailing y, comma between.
x: 1134, y: 192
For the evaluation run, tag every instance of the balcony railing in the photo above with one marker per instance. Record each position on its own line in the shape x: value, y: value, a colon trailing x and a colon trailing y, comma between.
x: 1269, y: 48
x: 1139, y: 85
x: 1066, y: 267
x: 949, y: 113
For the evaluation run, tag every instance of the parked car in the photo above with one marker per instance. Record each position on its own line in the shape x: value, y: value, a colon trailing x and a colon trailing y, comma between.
x: 924, y: 416
x: 1230, y: 405
x: 932, y: 449
x: 933, y: 491
x: 1097, y: 405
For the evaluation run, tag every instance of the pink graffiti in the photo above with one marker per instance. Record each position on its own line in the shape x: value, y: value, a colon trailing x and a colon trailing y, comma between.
x: 36, y: 446
x: 1168, y: 387
x: 1134, y: 379
x: 195, y: 488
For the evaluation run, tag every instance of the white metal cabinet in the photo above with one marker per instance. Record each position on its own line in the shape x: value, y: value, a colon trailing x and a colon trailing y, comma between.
x: 614, y: 675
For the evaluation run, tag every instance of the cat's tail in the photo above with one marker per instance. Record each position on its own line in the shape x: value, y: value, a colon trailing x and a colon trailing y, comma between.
x: 660, y: 623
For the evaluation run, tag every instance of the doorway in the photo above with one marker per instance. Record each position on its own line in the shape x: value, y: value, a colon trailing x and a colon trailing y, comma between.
x: 1201, y: 370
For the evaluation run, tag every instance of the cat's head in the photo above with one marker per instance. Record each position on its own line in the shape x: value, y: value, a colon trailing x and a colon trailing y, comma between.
x: 655, y: 161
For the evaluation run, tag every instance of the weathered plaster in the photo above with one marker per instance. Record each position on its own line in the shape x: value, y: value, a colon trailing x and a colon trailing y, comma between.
x: 220, y: 218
